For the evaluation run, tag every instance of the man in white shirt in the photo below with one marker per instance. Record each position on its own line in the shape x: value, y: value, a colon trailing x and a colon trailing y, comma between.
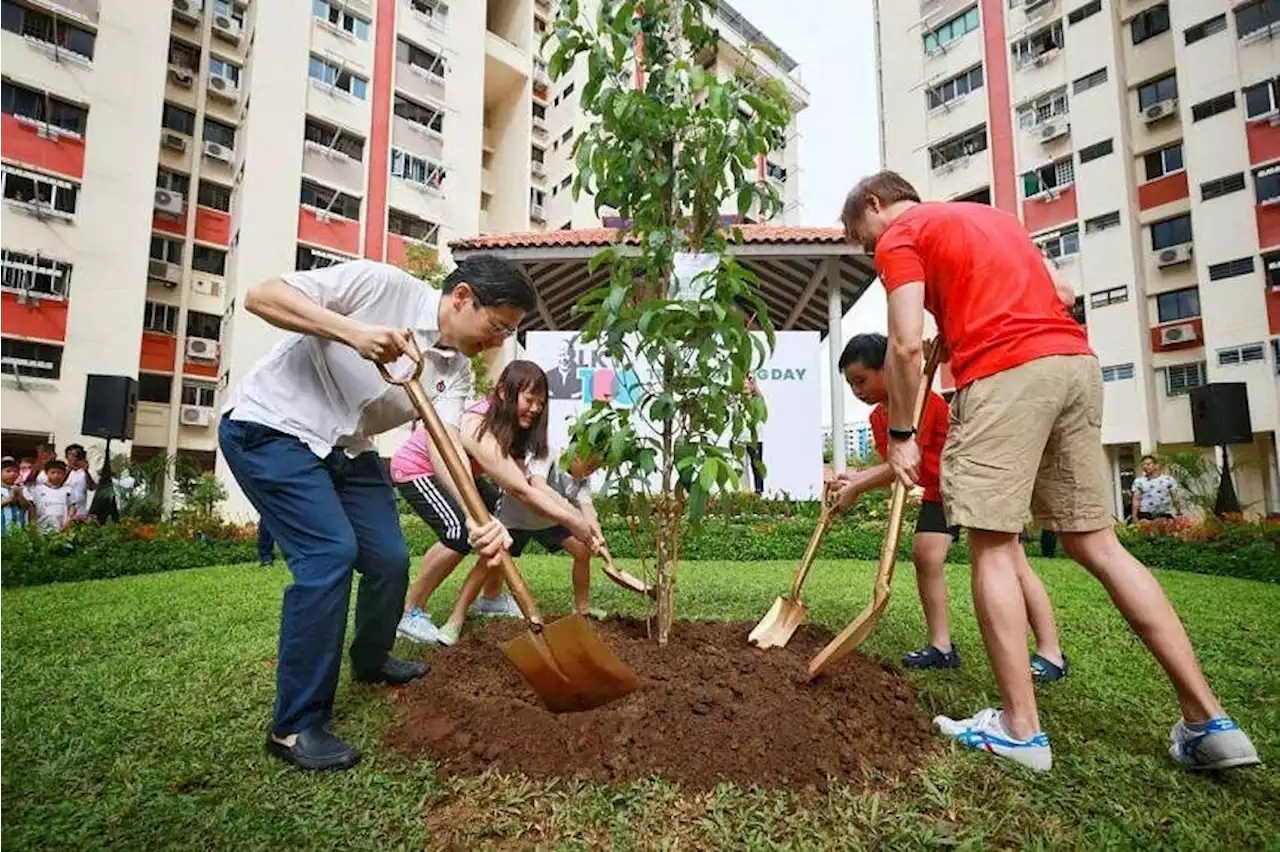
x: 296, y: 434
x: 1155, y: 494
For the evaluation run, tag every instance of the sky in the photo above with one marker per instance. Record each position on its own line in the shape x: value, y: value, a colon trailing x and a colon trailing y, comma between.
x: 834, y: 42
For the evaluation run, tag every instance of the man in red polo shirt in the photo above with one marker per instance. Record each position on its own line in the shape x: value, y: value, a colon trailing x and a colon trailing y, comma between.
x: 1026, y: 431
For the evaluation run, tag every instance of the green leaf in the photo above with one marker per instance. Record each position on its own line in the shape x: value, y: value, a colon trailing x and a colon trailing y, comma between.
x: 745, y: 196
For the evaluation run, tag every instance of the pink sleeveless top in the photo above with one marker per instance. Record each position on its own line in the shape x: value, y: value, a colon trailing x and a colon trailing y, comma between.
x: 412, y: 460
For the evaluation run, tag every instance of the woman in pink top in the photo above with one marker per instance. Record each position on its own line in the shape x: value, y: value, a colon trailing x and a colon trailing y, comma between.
x: 500, y: 432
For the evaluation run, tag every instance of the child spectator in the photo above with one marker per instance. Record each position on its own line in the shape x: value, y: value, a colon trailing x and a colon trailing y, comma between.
x: 15, y: 507
x: 52, y: 498
x: 79, y: 481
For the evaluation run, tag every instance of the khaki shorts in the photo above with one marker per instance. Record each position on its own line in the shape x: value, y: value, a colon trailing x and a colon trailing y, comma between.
x: 1029, y: 436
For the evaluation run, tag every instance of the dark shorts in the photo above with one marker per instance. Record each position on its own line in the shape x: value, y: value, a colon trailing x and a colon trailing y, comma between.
x: 552, y: 538
x: 436, y: 505
x: 933, y: 520
x: 1154, y: 516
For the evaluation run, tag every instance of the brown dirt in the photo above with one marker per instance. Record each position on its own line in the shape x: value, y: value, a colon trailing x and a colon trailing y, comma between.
x: 710, y: 708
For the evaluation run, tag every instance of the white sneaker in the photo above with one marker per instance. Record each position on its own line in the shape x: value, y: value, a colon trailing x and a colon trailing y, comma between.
x: 503, y: 606
x: 416, y: 626
x: 1219, y: 745
x: 447, y: 635
x: 986, y: 731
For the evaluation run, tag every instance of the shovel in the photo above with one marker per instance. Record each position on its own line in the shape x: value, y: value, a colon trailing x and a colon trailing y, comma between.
x: 851, y: 637
x: 788, y: 613
x: 565, y: 662
x: 627, y: 581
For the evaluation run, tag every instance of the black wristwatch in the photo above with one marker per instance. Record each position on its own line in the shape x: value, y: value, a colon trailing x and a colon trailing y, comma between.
x: 901, y: 434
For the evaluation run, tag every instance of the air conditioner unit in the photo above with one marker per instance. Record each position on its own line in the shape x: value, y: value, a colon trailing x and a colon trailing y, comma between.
x: 206, y: 287
x: 168, y: 201
x: 202, y: 349
x: 1034, y: 8
x: 1174, y: 255
x: 174, y: 141
x: 535, y: 213
x: 189, y: 9
x: 196, y: 415
x: 162, y: 270
x: 223, y: 88
x: 226, y: 26
x: 1183, y: 332
x: 217, y: 151
x: 183, y: 77
x: 1162, y: 110
x: 1052, y: 130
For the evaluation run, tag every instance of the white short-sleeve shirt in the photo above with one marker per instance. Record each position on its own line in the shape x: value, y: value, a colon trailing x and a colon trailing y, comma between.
x: 324, y: 393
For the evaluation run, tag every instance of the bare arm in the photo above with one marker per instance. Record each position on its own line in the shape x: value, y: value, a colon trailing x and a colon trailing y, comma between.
x: 284, y: 306
x: 906, y: 352
x: 1136, y: 502
x: 1065, y: 294
x: 880, y: 476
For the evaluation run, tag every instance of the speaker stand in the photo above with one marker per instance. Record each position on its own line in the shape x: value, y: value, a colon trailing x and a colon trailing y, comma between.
x: 1228, y: 502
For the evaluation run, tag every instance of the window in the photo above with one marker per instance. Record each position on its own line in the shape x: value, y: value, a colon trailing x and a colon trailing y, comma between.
x: 427, y: 117
x: 435, y: 11
x: 1178, y: 305
x: 1088, y: 81
x: 1271, y: 262
x: 980, y: 196
x: 214, y: 195
x: 958, y: 147
x: 416, y: 169
x: 310, y: 258
x: 540, y: 111
x: 1183, y: 378
x: 33, y: 275
x: 30, y: 359
x: 950, y: 30
x: 344, y: 142
x: 324, y: 198
x: 568, y: 90
x: 1171, y: 232
x: 1060, y: 244
x: 209, y: 259
x: 160, y: 318
x: 178, y: 119
x: 955, y: 88
x: 1257, y: 17
x: 1221, y: 186
x: 154, y: 387
x: 202, y: 394
x: 183, y: 55
x: 1149, y: 23
x: 1266, y: 184
x: 1041, y: 43
x: 1163, y: 162
x: 1213, y: 106
x: 538, y: 155
x: 338, y: 79
x: 1077, y: 311
x: 40, y: 192
x: 1249, y: 353
x: 222, y: 133
x: 1114, y: 296
x: 1231, y: 268
x: 339, y: 17
x: 1157, y: 91
x: 1259, y: 99
x: 173, y: 181
x: 1044, y: 108
x: 567, y: 182
x: 44, y: 108
x: 410, y: 226
x: 229, y: 9
x: 167, y: 249
x: 567, y: 136
x: 208, y: 326
x: 1096, y: 150
x: 411, y: 54
x: 1057, y: 175
x: 42, y: 26
x: 775, y: 172
x: 1075, y: 16
x: 1102, y: 223
x: 228, y: 71
x: 1117, y: 373
x: 1204, y: 29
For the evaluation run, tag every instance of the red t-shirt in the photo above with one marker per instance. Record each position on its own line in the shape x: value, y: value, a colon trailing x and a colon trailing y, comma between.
x: 932, y: 438
x: 985, y: 283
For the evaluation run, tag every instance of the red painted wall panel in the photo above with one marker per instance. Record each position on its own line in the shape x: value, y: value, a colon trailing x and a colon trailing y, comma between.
x: 43, y: 319
x: 1268, y: 225
x: 200, y: 368
x: 332, y: 232
x: 1039, y: 214
x: 396, y: 247
x: 1157, y: 346
x: 1264, y: 142
x: 21, y: 143
x: 213, y: 226
x: 168, y: 224
x: 1163, y: 190
x: 384, y: 54
x: 1273, y: 311
x: 995, y: 50
x: 158, y: 351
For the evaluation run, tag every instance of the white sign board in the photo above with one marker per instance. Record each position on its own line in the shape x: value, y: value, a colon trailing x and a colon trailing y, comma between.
x: 789, y: 380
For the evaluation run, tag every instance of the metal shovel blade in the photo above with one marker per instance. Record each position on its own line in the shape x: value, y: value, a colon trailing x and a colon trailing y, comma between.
x: 569, y: 666
x: 627, y: 581
x: 779, y: 623
x: 850, y: 638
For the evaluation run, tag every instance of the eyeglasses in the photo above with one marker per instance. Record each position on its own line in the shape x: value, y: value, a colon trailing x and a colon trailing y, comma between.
x: 495, y: 326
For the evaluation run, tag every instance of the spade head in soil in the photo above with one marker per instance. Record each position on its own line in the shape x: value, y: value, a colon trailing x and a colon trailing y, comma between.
x: 568, y: 666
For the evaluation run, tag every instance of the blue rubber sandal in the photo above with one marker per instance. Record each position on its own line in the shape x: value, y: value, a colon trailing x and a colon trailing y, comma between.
x: 930, y: 657
x: 1044, y: 671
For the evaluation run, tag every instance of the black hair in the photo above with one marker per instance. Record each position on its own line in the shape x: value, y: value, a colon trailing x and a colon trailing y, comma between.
x: 55, y: 464
x: 1153, y: 459
x: 8, y: 463
x: 76, y: 448
x: 51, y: 448
x: 865, y: 349
x: 495, y: 282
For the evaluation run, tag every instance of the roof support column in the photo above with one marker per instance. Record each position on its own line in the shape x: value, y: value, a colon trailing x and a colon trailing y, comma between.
x: 835, y: 344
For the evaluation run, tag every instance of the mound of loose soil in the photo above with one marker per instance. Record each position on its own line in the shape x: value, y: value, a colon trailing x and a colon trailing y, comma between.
x: 710, y: 708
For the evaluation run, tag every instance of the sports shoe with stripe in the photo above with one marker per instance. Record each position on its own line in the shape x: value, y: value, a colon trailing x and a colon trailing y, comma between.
x: 1216, y: 744
x: 986, y: 731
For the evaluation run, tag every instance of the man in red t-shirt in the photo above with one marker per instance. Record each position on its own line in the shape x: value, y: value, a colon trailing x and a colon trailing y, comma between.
x: 1026, y: 431
x: 862, y: 363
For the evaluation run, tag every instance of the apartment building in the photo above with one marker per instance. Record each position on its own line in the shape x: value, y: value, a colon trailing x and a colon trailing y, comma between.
x: 159, y: 157
x: 1170, y: 109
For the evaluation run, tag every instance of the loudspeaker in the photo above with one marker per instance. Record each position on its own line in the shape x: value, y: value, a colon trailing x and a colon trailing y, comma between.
x: 1220, y: 414
x: 110, y: 405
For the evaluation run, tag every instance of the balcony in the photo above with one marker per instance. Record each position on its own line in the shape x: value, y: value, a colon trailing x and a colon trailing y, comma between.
x: 416, y: 138
x: 330, y: 166
x: 421, y: 83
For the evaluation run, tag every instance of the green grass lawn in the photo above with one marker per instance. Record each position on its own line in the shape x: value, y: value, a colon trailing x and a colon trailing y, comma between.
x: 134, y: 712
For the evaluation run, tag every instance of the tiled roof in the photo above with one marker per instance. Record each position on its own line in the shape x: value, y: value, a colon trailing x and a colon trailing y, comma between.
x: 589, y: 237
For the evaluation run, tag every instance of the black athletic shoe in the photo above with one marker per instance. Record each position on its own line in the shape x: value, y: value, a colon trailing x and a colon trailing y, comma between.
x: 316, y: 749
x: 394, y: 671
